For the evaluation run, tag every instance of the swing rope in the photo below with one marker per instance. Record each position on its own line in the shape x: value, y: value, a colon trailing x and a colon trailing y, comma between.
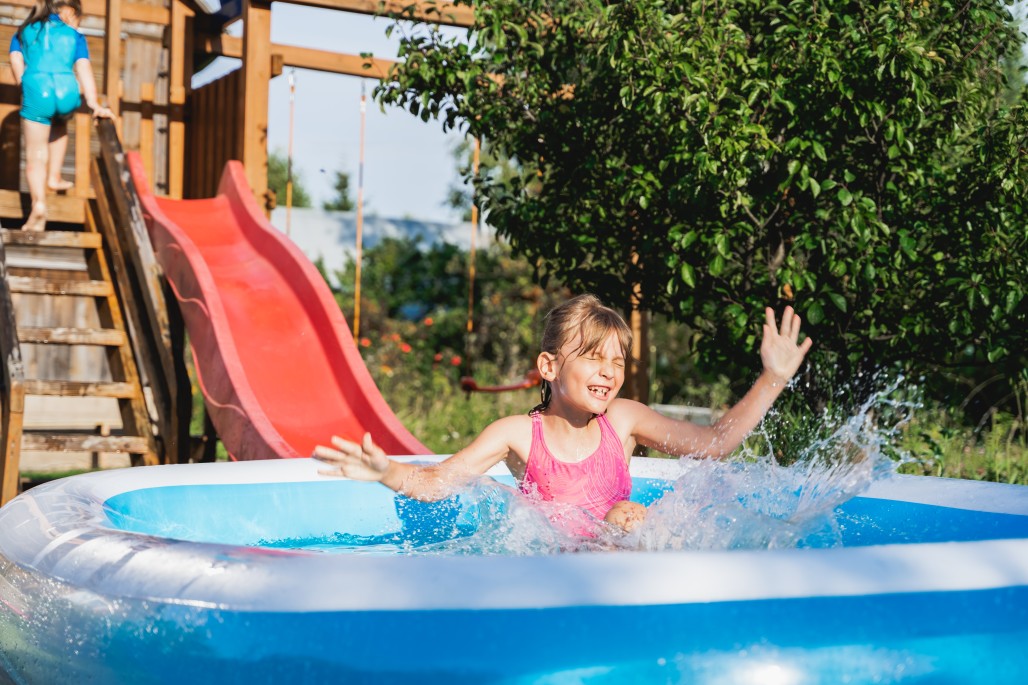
x: 360, y: 221
x: 467, y: 383
x: 471, y: 257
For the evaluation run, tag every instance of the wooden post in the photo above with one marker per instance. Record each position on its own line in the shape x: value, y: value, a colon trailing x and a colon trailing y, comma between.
x: 112, y: 56
x: 181, y: 53
x: 146, y: 128
x: 256, y: 77
x: 638, y: 380
x: 12, y: 385
x: 83, y: 130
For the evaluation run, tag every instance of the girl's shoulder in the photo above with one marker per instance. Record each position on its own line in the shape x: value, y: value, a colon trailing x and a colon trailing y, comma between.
x: 625, y: 410
x: 513, y: 433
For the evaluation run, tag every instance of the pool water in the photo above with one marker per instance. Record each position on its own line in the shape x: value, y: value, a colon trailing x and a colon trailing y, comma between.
x: 310, y: 516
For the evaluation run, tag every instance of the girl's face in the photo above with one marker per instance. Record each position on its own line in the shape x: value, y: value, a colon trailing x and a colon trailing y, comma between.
x: 589, y: 379
x: 69, y: 16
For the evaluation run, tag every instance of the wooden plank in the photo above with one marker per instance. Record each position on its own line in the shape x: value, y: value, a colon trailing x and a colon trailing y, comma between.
x: 83, y: 132
x: 151, y: 313
x: 10, y: 134
x: 146, y: 127
x: 112, y: 52
x: 82, y: 442
x: 81, y: 389
x: 104, y: 337
x: 429, y: 12
x: 306, y: 58
x: 334, y: 62
x: 12, y: 384
x: 50, y: 286
x: 63, y: 208
x: 135, y: 416
x: 51, y: 238
x: 180, y: 53
x: 256, y: 75
x: 69, y: 272
x: 130, y: 11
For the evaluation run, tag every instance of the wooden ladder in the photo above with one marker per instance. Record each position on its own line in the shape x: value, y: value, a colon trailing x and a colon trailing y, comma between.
x: 136, y: 436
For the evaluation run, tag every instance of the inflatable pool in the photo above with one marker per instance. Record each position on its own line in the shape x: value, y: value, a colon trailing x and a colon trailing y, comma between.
x: 175, y: 574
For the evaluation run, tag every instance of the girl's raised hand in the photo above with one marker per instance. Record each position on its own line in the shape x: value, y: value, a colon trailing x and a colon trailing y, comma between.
x: 365, y: 461
x: 779, y: 350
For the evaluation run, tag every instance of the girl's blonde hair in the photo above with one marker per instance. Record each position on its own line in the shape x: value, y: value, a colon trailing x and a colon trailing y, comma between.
x: 583, y: 316
x: 42, y: 10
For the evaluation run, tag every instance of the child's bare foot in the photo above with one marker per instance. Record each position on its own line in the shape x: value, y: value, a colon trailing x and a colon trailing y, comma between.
x: 60, y: 185
x: 36, y: 220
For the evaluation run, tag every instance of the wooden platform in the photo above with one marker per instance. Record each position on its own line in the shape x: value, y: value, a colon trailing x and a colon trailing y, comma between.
x: 15, y: 206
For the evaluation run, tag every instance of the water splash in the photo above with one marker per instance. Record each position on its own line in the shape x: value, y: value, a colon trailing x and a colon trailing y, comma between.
x: 760, y: 498
x: 753, y: 501
x: 750, y: 501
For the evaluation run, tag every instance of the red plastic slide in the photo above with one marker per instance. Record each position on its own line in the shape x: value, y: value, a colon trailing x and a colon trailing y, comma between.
x: 276, y: 361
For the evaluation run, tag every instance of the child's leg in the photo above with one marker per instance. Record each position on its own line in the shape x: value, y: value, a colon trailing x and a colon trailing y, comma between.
x: 626, y: 515
x: 37, y: 141
x: 58, y: 148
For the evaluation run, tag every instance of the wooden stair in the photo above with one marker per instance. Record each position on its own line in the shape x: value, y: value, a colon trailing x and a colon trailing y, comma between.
x: 124, y: 386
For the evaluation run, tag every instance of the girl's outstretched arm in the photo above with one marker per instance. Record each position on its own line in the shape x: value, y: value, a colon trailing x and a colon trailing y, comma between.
x: 427, y: 482
x: 781, y: 354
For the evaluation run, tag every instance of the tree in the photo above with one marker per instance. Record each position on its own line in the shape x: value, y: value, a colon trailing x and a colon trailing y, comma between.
x: 499, y: 169
x: 855, y: 160
x: 405, y: 284
x: 278, y: 175
x: 342, y: 201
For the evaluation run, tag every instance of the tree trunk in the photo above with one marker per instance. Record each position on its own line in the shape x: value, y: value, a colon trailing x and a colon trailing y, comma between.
x: 637, y: 371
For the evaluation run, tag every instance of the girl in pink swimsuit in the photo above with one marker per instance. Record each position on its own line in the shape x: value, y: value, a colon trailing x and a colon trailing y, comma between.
x: 575, y: 447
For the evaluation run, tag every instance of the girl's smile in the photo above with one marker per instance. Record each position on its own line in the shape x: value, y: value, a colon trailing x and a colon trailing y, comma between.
x: 589, y: 379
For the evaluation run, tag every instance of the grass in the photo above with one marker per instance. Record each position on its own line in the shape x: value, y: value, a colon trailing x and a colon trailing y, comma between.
x: 995, y: 452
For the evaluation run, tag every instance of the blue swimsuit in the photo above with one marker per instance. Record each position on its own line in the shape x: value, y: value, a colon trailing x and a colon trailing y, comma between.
x: 49, y: 89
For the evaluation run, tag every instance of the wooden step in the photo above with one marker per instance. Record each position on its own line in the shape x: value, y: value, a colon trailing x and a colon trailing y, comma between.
x: 107, y: 337
x: 84, y: 240
x: 59, y: 286
x: 83, y: 442
x: 63, y: 208
x: 80, y: 389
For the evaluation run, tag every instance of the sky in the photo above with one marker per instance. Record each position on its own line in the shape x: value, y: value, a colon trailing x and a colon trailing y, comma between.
x: 409, y: 165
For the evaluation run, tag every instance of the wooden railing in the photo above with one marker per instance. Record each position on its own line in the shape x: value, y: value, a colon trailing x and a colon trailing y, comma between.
x: 157, y: 330
x: 12, y: 388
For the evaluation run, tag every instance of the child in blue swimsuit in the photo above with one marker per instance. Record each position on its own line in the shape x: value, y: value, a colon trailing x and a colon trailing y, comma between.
x: 50, y: 61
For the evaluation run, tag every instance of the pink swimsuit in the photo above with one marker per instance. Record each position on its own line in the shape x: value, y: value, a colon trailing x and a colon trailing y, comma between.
x: 595, y: 484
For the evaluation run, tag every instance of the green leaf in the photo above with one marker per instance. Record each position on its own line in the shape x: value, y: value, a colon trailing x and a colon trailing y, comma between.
x: 688, y: 275
x: 815, y: 313
x: 717, y: 265
x: 838, y: 300
x: 845, y: 197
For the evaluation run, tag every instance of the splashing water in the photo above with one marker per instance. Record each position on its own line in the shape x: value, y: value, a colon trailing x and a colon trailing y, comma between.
x: 750, y: 501
x: 753, y: 502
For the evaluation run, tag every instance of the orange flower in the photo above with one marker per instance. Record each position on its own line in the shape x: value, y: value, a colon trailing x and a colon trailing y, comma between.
x: 428, y: 321
x: 455, y: 360
x: 405, y: 348
x: 438, y: 357
x: 365, y: 342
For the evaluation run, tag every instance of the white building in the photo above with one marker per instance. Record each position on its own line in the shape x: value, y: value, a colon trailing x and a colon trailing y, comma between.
x: 332, y: 236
